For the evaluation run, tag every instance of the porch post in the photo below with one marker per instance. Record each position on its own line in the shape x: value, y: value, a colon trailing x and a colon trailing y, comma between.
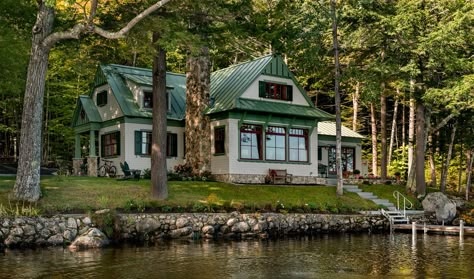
x: 77, y: 160
x: 92, y: 159
x: 92, y: 144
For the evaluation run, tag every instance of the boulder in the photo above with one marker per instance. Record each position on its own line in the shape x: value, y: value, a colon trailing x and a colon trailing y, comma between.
x: 439, y: 203
x: 92, y: 238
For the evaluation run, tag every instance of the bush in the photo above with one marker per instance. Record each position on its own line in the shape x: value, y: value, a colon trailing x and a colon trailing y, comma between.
x: 147, y: 174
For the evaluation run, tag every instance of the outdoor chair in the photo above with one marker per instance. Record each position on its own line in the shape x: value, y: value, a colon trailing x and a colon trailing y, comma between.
x: 129, y: 173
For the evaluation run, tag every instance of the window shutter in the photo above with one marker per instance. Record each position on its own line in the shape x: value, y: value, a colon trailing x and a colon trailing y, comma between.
x: 174, y: 140
x: 289, y: 93
x: 261, y: 89
x: 138, y: 142
x: 102, y: 146
x: 117, y: 136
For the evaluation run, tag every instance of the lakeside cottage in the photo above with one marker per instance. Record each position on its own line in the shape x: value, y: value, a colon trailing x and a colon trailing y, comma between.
x: 261, y: 119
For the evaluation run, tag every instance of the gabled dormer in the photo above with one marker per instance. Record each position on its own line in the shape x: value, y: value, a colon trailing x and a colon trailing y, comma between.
x: 263, y: 85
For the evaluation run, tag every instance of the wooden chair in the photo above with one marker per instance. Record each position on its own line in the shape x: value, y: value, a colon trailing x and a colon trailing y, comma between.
x: 129, y: 173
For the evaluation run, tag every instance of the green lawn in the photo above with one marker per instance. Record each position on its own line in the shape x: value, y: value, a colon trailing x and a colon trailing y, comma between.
x: 386, y: 192
x: 82, y: 194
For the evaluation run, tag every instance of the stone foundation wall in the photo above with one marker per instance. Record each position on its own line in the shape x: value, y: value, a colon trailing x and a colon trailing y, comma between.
x: 62, y: 230
x: 260, y: 179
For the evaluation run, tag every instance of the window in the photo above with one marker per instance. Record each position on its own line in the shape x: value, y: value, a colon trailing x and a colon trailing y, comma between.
x: 142, y: 143
x: 276, y: 91
x: 320, y: 153
x: 171, y: 145
x: 298, y: 145
x: 148, y: 100
x: 219, y: 140
x: 275, y: 147
x: 251, y: 142
x: 101, y: 98
x: 110, y: 144
x: 347, y: 159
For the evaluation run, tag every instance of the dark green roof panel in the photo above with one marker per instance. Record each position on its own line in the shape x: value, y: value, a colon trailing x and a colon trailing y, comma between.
x: 283, y: 108
x: 276, y: 67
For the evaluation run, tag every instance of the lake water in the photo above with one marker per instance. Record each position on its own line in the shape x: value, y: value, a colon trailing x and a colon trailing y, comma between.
x: 325, y: 256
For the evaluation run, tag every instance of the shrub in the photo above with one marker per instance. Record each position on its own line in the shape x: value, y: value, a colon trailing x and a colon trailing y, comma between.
x: 183, y: 170
x: 147, y: 174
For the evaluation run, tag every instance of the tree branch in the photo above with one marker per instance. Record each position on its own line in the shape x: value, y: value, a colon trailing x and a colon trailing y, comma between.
x: 78, y: 29
x: 121, y: 33
x: 443, y: 122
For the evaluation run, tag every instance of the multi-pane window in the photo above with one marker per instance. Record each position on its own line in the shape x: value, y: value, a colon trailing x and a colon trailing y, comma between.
x: 101, y: 98
x: 347, y: 159
x: 219, y: 140
x: 275, y: 147
x: 171, y: 145
x: 298, y: 145
x: 110, y: 144
x: 142, y: 143
x: 276, y: 91
x: 251, y: 142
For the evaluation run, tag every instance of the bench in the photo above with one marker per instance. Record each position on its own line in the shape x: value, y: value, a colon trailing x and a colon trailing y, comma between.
x: 279, y: 175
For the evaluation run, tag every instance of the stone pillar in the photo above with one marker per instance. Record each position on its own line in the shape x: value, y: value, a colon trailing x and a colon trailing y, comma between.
x: 92, y: 165
x: 92, y: 144
x: 76, y: 166
x: 77, y: 160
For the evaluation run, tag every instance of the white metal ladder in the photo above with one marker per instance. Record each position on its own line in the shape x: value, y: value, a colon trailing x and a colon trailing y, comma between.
x: 399, y: 214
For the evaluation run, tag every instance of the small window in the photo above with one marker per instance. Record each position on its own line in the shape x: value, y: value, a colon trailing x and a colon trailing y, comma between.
x: 276, y: 91
x: 320, y: 153
x: 110, y: 144
x: 219, y: 140
x: 83, y: 114
x: 172, y: 145
x: 101, y: 98
x: 148, y: 100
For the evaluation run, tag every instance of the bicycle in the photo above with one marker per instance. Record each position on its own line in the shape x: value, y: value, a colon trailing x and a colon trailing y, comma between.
x: 107, y: 169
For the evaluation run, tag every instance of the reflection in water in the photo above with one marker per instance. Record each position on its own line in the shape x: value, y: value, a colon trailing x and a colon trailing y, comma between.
x: 324, y: 256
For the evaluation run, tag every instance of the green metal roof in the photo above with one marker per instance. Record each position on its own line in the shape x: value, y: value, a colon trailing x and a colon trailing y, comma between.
x: 117, y: 75
x: 91, y: 113
x: 281, y: 108
x: 329, y: 129
x: 228, y: 85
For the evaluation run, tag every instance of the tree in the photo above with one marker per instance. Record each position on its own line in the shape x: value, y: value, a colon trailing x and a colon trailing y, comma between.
x: 43, y: 39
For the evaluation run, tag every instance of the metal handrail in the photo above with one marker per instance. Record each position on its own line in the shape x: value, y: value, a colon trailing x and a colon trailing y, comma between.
x: 407, y: 204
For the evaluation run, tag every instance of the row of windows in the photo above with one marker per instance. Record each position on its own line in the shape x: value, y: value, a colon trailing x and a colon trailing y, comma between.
x: 278, y: 144
x: 110, y: 144
x: 276, y: 91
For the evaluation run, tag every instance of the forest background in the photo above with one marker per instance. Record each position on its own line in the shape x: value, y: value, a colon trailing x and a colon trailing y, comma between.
x: 399, y: 60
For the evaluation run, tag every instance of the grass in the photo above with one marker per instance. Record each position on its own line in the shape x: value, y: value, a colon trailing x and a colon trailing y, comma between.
x: 82, y: 194
x: 386, y: 192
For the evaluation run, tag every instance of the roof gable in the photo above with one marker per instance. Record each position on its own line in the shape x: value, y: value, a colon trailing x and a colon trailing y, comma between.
x: 85, y: 103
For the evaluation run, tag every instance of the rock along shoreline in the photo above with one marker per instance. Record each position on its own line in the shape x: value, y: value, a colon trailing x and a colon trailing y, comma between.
x: 63, y: 230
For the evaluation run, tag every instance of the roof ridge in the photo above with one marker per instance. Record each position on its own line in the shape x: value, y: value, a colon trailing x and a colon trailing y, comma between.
x: 140, y: 68
x: 243, y: 63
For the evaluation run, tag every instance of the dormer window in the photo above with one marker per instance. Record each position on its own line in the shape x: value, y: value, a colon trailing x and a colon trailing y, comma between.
x: 148, y: 100
x: 101, y: 98
x: 275, y: 91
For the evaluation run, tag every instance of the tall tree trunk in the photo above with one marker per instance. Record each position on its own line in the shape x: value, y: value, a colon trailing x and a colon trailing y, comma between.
x: 355, y: 106
x: 198, y: 143
x: 394, y: 128
x: 411, y: 128
x: 374, y: 139
x: 28, y: 173
x: 420, y: 149
x: 383, y: 133
x: 159, y: 179
x: 432, y: 161
x: 339, y: 189
x: 470, y: 159
x: 445, y: 170
x: 460, y: 167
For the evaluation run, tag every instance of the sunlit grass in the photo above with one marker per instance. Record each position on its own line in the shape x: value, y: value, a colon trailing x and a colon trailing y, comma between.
x: 81, y: 194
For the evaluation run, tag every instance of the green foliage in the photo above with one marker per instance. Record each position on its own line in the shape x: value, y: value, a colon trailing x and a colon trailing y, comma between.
x: 107, y: 222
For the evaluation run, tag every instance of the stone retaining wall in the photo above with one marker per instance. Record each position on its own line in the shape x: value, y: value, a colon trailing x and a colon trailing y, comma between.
x: 62, y: 230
